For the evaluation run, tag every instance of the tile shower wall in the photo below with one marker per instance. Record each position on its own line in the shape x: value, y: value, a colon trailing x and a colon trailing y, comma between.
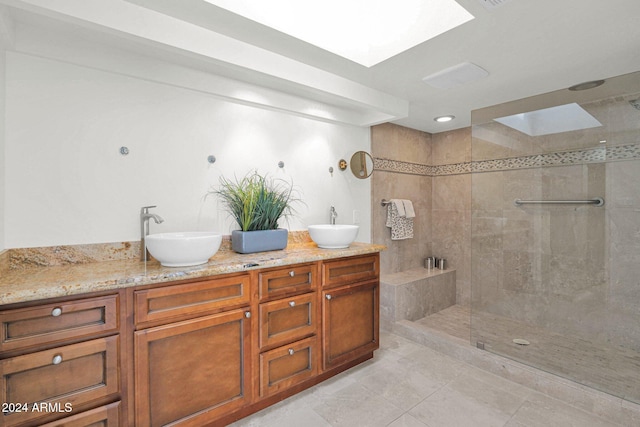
x: 573, y: 270
x: 400, y: 158
x: 451, y: 206
x: 432, y: 171
x: 508, y: 244
x: 623, y: 222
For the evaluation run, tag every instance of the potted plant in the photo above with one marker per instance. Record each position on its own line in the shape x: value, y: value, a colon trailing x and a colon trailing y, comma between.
x: 257, y: 203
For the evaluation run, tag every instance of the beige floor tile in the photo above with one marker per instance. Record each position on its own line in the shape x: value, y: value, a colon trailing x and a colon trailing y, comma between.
x: 407, y: 421
x: 449, y: 408
x: 409, y: 385
x: 542, y: 411
x: 400, y: 386
x: 357, y: 406
x: 284, y: 415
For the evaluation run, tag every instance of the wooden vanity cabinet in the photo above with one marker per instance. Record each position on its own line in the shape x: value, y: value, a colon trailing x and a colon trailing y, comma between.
x: 191, y: 372
x: 350, y: 309
x: 201, y: 352
x: 61, y: 360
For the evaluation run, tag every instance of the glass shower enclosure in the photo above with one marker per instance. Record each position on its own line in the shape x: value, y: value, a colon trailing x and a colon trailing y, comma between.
x: 556, y: 233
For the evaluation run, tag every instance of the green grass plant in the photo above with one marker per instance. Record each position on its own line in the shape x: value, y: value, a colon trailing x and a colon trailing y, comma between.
x: 256, y: 202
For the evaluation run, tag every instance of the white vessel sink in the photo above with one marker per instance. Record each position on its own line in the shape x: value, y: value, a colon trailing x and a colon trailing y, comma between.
x: 330, y: 236
x: 183, y: 249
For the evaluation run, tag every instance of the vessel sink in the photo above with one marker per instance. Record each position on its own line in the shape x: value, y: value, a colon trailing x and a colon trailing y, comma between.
x: 333, y: 236
x: 183, y: 249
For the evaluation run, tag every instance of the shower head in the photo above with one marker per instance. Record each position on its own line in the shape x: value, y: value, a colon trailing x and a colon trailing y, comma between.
x: 635, y: 103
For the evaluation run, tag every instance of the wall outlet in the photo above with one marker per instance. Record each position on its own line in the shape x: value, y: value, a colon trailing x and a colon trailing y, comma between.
x: 356, y: 216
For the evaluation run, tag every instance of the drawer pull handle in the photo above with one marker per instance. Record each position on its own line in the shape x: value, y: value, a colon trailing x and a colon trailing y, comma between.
x: 57, y: 359
x: 291, y: 352
x: 292, y: 303
x: 292, y: 273
x: 328, y: 296
x: 56, y: 312
x: 247, y: 314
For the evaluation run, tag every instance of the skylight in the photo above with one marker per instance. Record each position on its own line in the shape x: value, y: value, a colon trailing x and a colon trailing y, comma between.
x: 563, y: 118
x: 364, y: 31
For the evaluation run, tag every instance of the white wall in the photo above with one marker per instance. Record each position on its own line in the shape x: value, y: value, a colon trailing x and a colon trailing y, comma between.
x: 2, y: 147
x: 67, y: 183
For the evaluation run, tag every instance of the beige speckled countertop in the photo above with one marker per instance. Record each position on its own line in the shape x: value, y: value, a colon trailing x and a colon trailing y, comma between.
x: 35, y: 283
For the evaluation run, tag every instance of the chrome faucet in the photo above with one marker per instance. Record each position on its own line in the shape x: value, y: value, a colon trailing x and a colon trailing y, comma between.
x: 144, y: 229
x: 332, y: 215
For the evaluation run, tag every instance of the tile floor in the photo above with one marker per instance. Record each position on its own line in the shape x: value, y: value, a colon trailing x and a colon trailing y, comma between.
x: 407, y: 384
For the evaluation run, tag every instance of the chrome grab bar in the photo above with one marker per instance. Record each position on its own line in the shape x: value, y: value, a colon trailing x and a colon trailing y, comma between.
x: 598, y: 201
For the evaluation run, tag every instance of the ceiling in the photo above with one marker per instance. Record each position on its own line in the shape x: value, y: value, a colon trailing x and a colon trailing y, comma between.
x: 528, y: 47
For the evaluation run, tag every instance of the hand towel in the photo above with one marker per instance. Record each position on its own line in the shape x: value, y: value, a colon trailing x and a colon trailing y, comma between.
x: 399, y: 204
x: 408, y: 208
x: 401, y: 227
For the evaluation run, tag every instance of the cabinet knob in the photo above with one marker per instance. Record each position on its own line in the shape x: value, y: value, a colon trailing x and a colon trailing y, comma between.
x: 57, y: 359
x: 291, y: 352
x: 292, y: 273
x: 56, y: 312
x: 292, y: 303
x: 247, y: 314
x: 328, y: 296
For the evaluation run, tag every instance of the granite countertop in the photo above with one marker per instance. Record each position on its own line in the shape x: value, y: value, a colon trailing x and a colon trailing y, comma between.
x: 40, y: 282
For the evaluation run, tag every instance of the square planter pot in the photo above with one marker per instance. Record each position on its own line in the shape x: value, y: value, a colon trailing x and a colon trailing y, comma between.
x: 247, y: 242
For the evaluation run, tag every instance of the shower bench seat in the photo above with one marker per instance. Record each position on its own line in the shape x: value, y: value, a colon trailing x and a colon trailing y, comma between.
x: 414, y: 294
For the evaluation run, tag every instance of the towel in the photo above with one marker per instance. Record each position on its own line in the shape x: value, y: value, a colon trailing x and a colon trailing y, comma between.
x: 401, y: 226
x: 399, y: 204
x: 408, y: 209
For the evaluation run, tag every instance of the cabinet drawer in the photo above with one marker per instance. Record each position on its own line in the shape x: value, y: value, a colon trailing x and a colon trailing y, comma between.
x: 288, y: 365
x: 49, y: 323
x: 287, y: 320
x: 62, y: 377
x: 350, y: 270
x: 104, y: 416
x: 291, y: 280
x: 191, y: 299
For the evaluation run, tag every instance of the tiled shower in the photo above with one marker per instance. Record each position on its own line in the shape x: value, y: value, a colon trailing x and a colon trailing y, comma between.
x: 563, y: 280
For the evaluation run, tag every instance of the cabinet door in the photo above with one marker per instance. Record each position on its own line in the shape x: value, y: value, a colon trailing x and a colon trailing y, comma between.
x: 59, y: 379
x: 192, y: 372
x: 349, y: 322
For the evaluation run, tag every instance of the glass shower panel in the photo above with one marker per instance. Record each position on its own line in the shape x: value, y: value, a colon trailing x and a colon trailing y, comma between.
x: 556, y: 275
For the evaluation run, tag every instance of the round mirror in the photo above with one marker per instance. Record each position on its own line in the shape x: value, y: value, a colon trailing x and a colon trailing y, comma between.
x: 361, y: 164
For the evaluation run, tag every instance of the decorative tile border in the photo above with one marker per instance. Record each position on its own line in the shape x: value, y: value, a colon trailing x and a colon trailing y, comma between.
x: 575, y: 157
x: 399, y: 166
x: 623, y: 152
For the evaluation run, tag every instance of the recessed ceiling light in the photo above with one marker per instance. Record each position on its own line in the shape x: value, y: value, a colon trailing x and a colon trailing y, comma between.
x: 587, y: 85
x: 366, y: 33
x: 443, y: 119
